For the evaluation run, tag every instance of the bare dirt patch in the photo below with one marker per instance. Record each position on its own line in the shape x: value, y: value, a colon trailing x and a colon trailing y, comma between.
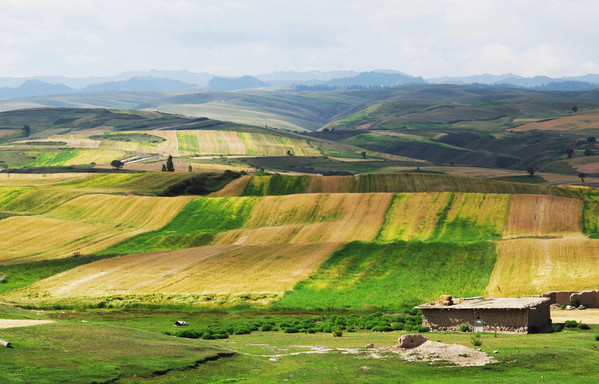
x: 435, y: 352
x: 588, y: 316
x: 22, y: 323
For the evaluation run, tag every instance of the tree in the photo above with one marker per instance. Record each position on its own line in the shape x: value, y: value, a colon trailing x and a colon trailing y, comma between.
x: 289, y: 153
x: 582, y: 175
x: 588, y: 152
x: 117, y: 164
x: 531, y: 171
x: 569, y: 152
x: 575, y: 109
x: 190, y: 169
x: 169, y: 164
x: 26, y: 130
x: 363, y: 154
x: 163, y: 167
x: 591, y: 139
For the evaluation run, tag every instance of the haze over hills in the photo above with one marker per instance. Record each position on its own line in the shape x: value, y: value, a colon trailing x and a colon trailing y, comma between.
x: 155, y: 80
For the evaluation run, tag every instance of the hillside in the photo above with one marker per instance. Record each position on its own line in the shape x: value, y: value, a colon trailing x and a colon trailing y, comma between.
x: 304, y: 250
x: 60, y: 137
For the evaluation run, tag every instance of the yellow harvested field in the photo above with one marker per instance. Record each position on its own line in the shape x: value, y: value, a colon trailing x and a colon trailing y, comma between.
x: 534, y: 266
x: 28, y: 238
x: 170, y: 146
x: 542, y: 215
x: 32, y: 179
x: 234, y: 188
x: 139, y: 212
x: 203, y: 270
x: 85, y: 225
x: 312, y: 218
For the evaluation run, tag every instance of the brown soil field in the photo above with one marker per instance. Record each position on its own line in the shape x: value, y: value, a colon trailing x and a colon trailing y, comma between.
x: 542, y: 215
x: 569, y: 123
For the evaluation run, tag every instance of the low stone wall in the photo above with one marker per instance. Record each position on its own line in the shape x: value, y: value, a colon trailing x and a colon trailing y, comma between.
x: 589, y: 299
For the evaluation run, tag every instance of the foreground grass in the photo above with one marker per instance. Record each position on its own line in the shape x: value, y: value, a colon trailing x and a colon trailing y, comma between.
x: 393, y: 276
x: 570, y: 356
x: 78, y: 352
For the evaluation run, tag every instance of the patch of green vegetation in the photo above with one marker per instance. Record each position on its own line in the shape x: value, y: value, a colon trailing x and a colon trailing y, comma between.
x: 142, y: 138
x: 45, y: 143
x: 194, y: 226
x: 21, y: 275
x: 536, y: 179
x: 51, y: 158
x: 590, y: 218
x: 393, y: 276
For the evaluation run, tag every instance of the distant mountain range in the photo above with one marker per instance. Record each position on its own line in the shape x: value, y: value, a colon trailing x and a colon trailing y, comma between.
x: 155, y: 80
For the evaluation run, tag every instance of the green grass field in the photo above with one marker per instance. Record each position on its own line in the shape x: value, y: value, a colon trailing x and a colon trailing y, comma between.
x: 396, y: 276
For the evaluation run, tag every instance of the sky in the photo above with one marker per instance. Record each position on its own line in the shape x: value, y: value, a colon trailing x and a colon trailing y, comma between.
x: 428, y: 38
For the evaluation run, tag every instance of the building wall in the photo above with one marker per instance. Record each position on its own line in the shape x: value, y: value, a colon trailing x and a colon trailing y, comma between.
x: 589, y: 299
x: 501, y: 320
x: 539, y: 317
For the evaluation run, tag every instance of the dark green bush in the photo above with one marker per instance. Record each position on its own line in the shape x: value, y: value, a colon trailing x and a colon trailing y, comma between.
x: 382, y: 328
x: 398, y: 326
x: 422, y: 328
x: 571, y: 324
x: 464, y: 327
x: 583, y: 326
x: 558, y: 327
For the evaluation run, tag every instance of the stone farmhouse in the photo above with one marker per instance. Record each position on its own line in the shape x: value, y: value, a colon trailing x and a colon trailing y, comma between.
x: 505, y: 315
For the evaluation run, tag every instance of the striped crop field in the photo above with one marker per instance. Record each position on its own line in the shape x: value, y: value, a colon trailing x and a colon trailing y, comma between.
x: 311, y: 218
x: 208, y: 271
x: 400, y: 182
x: 577, y: 122
x: 84, y: 225
x: 208, y: 142
x: 65, y: 157
x: 536, y: 215
x: 38, y: 200
x: 453, y: 217
x: 534, y: 266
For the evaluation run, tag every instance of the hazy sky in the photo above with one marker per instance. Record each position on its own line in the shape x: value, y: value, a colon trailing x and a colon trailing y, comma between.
x: 419, y: 37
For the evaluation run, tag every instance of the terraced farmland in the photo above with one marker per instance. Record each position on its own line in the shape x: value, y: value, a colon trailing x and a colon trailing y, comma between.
x: 400, y: 182
x: 365, y: 249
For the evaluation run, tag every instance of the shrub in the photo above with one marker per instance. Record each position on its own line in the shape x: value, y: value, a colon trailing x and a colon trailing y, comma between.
x: 312, y: 330
x: 584, y: 326
x: 267, y: 327
x: 351, y: 329
x: 398, y: 326
x: 382, y: 328
x: 464, y: 327
x: 558, y: 327
x: 422, y: 328
x: 476, y: 340
x: 291, y: 330
x: 571, y: 324
x: 596, y: 337
x: 189, y: 334
x: 242, y: 330
x: 337, y: 332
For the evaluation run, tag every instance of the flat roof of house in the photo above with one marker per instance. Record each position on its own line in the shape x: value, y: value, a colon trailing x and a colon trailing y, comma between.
x: 482, y: 303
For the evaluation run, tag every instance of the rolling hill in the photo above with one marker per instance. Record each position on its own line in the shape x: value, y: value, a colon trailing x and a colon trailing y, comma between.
x: 363, y: 245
